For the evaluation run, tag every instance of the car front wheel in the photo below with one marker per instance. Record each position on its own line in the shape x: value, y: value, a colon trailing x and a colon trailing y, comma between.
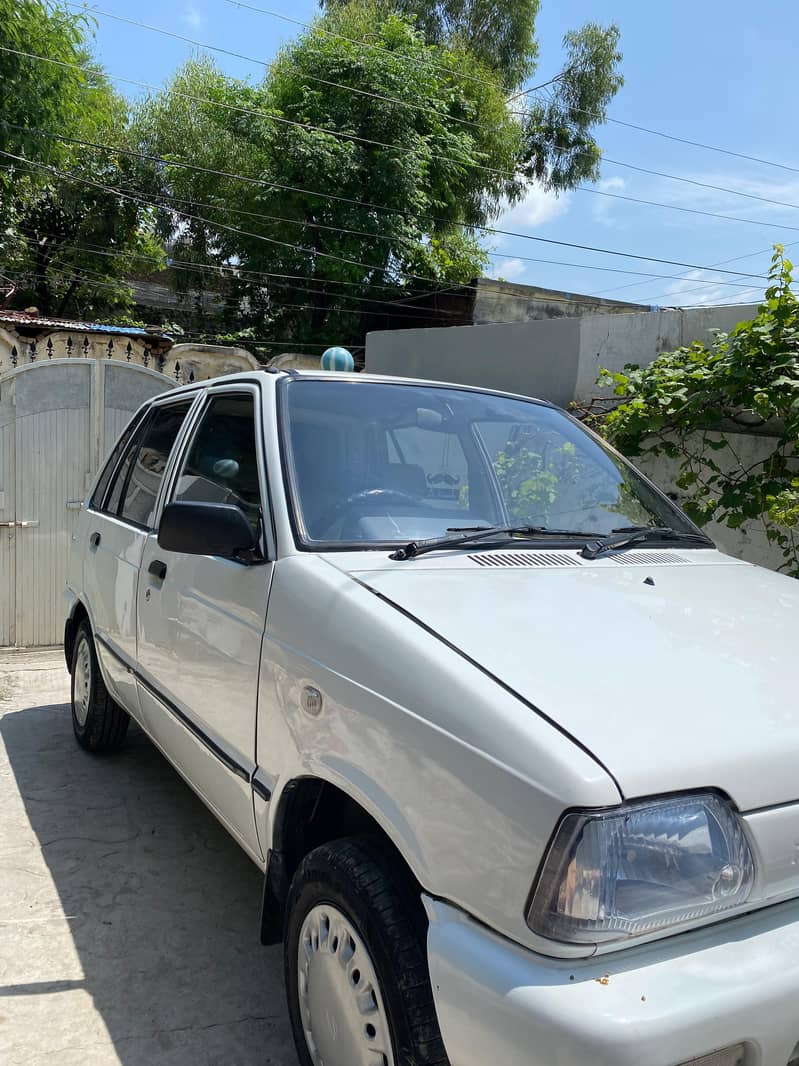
x: 99, y: 723
x: 357, y: 979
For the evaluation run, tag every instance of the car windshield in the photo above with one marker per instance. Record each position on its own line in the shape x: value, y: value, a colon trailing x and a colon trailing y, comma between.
x: 376, y: 463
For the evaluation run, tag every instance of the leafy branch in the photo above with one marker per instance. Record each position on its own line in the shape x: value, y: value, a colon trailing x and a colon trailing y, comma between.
x: 687, y: 402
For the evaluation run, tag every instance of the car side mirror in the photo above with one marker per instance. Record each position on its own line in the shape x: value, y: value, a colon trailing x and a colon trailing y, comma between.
x: 196, y: 528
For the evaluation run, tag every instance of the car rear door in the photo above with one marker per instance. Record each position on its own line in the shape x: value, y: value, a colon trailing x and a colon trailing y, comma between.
x: 114, y: 530
x: 201, y: 618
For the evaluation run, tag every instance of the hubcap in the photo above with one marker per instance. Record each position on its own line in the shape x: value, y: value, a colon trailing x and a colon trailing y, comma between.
x: 341, y: 1005
x: 82, y: 682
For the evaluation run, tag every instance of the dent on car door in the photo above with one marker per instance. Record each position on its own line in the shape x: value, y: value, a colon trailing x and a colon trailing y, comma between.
x: 201, y: 620
x: 119, y: 515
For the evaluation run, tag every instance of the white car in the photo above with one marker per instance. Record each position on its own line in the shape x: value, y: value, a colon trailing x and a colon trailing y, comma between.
x: 515, y: 746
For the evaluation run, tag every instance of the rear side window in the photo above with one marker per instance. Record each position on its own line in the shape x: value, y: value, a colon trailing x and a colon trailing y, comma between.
x: 138, y: 477
x: 221, y: 465
x: 102, y: 485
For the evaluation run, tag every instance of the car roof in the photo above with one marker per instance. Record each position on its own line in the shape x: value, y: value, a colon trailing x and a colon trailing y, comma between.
x: 277, y: 373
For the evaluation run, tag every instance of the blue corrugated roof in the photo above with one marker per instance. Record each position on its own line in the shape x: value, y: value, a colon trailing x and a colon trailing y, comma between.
x: 21, y: 318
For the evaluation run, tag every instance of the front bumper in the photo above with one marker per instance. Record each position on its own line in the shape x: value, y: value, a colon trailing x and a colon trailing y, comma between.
x: 660, y: 1004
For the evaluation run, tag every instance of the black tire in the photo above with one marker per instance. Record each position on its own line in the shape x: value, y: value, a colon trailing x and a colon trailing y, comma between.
x: 99, y: 723
x: 378, y: 896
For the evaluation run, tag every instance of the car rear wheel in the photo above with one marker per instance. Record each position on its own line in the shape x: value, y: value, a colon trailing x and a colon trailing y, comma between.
x: 356, y: 970
x: 99, y: 723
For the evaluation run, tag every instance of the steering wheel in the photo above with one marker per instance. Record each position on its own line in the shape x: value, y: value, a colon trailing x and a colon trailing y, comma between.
x: 367, y: 496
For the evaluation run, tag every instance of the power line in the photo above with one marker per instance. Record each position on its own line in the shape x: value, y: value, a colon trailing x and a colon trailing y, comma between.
x: 708, y: 281
x: 459, y: 162
x: 591, y: 114
x: 508, y: 175
x: 358, y: 203
x: 365, y: 233
x: 670, y: 136
x: 689, y: 210
x: 271, y: 240
x: 226, y: 272
x: 358, y: 44
x: 94, y: 279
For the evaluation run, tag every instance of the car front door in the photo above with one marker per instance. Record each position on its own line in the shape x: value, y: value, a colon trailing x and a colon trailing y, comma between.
x: 201, y: 618
x: 114, y: 529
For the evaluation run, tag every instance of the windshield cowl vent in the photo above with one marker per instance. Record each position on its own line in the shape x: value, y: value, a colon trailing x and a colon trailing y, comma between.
x: 656, y: 558
x: 517, y: 558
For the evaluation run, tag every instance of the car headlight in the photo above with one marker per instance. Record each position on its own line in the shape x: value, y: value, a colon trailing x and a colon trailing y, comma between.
x: 641, y: 867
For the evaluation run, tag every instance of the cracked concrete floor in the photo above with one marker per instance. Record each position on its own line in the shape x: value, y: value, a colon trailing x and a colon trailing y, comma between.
x: 128, y: 917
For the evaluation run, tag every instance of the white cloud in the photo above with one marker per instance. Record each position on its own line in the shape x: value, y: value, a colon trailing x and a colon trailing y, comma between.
x: 510, y: 269
x: 538, y: 207
x: 602, y: 209
x: 192, y: 17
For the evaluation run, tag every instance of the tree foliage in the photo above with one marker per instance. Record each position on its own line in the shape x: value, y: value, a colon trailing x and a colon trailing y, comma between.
x: 375, y: 143
x: 66, y: 239
x: 364, y: 159
x: 501, y: 36
x: 352, y: 153
x: 681, y: 404
x: 559, y: 147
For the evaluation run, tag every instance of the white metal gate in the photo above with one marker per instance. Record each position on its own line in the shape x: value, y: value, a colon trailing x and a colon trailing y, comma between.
x: 58, y: 421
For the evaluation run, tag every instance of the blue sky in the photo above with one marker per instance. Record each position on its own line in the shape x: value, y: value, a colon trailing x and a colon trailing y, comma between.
x: 717, y: 71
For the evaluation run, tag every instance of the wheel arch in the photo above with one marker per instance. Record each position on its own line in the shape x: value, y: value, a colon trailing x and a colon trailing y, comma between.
x: 74, y: 619
x: 312, y: 811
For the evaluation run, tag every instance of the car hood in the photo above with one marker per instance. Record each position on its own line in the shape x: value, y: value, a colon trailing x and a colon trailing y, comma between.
x: 677, y: 671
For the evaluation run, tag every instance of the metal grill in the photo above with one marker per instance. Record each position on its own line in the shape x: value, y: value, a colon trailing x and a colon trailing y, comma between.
x: 661, y: 558
x: 539, y: 559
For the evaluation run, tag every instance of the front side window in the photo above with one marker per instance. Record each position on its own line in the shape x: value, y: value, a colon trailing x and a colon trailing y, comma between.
x: 138, y: 477
x: 378, y: 463
x: 221, y: 464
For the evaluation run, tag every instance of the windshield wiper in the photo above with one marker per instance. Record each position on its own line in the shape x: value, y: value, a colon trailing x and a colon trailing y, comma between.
x: 471, y: 534
x: 626, y: 536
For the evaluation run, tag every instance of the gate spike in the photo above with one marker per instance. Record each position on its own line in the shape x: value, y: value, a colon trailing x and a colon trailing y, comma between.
x: 146, y: 357
x: 69, y: 347
x: 161, y: 361
x: 129, y: 350
x: 110, y: 348
x: 177, y: 371
x: 49, y: 347
x: 85, y: 347
x: 191, y: 377
x: 32, y: 351
x: 14, y: 355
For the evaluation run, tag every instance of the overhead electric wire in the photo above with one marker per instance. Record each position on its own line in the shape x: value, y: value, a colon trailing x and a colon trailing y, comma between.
x: 458, y: 162
x: 598, y: 116
x: 669, y: 136
x: 707, y: 281
x: 358, y: 203
x: 256, y: 236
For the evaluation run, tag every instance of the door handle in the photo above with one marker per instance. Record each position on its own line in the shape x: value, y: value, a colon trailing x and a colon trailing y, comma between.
x: 95, y: 539
x: 157, y: 569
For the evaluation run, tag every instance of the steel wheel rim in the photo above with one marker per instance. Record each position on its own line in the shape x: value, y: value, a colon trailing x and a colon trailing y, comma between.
x: 341, y: 1005
x: 82, y: 682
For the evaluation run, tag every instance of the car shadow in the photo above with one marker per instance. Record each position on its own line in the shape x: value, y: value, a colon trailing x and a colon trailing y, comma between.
x: 128, y: 916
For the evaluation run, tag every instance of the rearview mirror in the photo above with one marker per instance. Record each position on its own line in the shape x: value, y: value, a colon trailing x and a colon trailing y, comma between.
x: 206, y: 529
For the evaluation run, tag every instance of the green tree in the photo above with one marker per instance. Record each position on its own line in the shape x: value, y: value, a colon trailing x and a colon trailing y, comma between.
x: 684, y: 404
x: 390, y: 126
x: 66, y: 239
x: 559, y: 146
x: 405, y: 142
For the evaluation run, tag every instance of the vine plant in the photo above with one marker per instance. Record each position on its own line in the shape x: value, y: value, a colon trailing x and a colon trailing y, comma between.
x: 681, y: 404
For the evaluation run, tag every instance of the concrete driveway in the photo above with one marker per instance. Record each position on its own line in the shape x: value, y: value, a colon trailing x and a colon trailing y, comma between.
x: 128, y: 917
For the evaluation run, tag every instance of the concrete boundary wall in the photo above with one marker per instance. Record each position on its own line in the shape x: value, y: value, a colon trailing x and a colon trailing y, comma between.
x: 557, y: 360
